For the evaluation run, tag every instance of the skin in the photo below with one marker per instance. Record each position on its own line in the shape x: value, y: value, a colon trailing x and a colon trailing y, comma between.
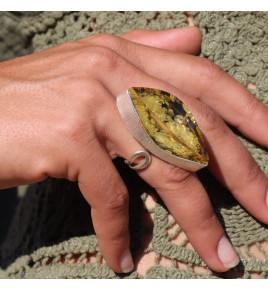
x: 59, y: 118
x: 146, y: 259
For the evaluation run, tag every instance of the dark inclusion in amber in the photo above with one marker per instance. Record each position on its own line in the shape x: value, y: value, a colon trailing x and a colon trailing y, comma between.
x: 169, y: 123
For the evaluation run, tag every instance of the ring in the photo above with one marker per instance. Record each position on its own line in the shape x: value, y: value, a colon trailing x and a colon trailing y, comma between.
x: 142, y: 153
x: 164, y: 126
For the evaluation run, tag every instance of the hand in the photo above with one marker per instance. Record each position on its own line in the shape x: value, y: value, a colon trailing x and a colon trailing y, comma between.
x: 59, y: 118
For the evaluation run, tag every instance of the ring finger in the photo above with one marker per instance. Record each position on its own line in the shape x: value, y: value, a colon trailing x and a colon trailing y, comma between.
x: 186, y: 199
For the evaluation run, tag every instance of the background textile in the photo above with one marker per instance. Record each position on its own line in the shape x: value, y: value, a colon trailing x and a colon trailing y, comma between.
x: 52, y: 235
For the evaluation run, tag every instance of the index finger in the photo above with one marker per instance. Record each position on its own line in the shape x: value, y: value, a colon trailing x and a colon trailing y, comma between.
x: 185, y: 39
x: 199, y: 78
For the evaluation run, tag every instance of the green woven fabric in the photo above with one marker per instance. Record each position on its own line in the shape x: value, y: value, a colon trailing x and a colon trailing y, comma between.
x: 53, y: 223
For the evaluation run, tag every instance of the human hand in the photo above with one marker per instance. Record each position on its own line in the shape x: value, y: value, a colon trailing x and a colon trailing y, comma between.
x: 59, y: 119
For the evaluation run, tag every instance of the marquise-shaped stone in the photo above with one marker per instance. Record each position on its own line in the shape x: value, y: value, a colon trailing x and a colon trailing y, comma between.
x: 169, y: 123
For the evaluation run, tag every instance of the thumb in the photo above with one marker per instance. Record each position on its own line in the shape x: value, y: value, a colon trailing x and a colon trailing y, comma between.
x: 186, y: 39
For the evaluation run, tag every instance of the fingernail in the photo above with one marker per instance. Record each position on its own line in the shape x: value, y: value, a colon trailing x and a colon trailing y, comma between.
x: 227, y: 254
x: 267, y: 197
x: 126, y: 262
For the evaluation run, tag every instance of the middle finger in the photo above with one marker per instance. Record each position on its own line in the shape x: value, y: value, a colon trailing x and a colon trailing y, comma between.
x: 185, y: 197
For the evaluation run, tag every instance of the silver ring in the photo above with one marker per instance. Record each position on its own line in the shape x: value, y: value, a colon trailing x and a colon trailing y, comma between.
x: 164, y: 126
x: 141, y: 165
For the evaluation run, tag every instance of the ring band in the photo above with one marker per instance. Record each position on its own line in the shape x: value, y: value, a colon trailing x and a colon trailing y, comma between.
x: 142, y: 153
x: 164, y: 126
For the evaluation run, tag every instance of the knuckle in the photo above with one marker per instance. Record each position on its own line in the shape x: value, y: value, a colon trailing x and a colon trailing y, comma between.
x: 173, y: 175
x: 104, y: 58
x: 118, y: 201
x: 104, y: 39
x: 251, y: 105
x: 211, y: 122
x: 72, y: 129
x: 208, y: 223
x: 90, y: 92
x: 75, y: 128
x: 95, y: 58
x: 89, y: 88
x: 250, y: 173
x: 80, y: 56
x: 209, y: 70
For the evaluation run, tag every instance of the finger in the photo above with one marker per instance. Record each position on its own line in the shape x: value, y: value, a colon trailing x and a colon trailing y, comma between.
x: 105, y: 191
x: 185, y: 39
x: 200, y: 78
x: 186, y: 199
x: 230, y: 99
x: 189, y: 204
x: 232, y: 163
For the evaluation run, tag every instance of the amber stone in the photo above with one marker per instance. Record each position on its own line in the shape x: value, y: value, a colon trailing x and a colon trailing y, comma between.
x: 169, y: 123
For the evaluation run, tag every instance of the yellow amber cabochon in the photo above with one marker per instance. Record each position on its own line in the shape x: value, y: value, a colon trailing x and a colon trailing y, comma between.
x: 169, y: 123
